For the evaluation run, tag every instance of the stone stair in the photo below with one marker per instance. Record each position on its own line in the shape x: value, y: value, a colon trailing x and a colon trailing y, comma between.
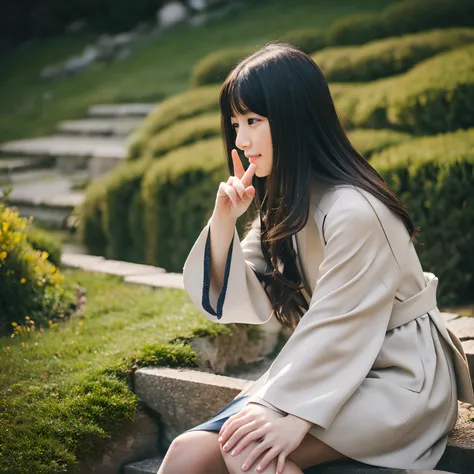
x: 48, y: 174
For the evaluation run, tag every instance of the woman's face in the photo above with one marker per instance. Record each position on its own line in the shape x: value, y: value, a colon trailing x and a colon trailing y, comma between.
x: 253, y: 137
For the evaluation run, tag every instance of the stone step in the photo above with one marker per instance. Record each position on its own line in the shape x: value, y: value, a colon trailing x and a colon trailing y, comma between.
x: 99, y: 264
x: 122, y: 110
x: 171, y: 393
x: 46, y: 195
x: 147, y: 466
x: 69, y: 146
x: 17, y: 165
x: 106, y: 126
x: 97, y: 154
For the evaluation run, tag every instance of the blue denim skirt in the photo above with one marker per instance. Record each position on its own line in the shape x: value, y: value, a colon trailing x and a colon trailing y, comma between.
x: 216, y: 422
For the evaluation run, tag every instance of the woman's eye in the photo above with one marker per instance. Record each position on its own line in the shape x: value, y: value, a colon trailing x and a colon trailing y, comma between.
x: 252, y: 120
x: 235, y: 125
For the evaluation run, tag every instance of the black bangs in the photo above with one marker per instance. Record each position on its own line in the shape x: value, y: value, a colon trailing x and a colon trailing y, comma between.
x: 242, y: 93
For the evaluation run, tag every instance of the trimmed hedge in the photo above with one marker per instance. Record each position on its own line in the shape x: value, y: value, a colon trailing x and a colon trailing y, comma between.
x: 368, y: 142
x: 188, y: 104
x: 179, y: 193
x: 184, y: 132
x: 91, y: 232
x: 122, y: 220
x: 400, y: 18
x: 308, y: 40
x: 435, y: 96
x: 389, y: 56
x: 434, y: 176
x: 214, y: 68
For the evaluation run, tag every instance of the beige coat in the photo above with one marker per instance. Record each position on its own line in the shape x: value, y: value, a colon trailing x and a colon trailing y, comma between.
x: 371, y: 364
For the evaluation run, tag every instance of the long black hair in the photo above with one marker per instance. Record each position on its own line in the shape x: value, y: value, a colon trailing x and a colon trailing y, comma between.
x: 285, y: 85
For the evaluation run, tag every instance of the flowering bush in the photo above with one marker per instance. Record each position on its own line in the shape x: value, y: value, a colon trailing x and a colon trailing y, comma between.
x: 32, y: 290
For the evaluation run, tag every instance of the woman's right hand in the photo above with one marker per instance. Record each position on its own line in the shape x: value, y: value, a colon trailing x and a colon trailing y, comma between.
x: 234, y: 196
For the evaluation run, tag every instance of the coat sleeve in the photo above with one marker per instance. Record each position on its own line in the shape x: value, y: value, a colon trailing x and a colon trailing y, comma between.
x: 339, y: 337
x: 242, y: 298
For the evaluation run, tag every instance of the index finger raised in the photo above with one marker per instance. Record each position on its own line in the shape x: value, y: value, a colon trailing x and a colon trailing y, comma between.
x: 247, y: 177
x: 238, y: 167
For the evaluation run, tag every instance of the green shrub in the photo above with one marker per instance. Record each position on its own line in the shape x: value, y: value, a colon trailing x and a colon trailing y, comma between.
x: 356, y: 29
x: 306, y: 39
x: 188, y: 104
x: 434, y: 176
x: 91, y: 228
x: 43, y: 240
x: 406, y: 16
x: 32, y: 289
x: 389, y: 56
x: 122, y: 218
x: 368, y: 142
x: 435, y: 96
x: 214, y: 68
x: 184, y: 132
x: 179, y: 192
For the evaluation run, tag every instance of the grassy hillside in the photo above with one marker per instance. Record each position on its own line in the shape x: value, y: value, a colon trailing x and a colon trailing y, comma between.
x: 31, y: 107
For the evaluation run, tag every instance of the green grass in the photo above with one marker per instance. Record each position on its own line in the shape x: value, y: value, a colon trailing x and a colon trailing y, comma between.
x: 63, y: 391
x: 157, y: 70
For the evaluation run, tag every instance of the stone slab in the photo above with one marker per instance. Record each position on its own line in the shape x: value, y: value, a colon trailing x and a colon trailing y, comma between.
x: 111, y: 126
x: 148, y: 466
x: 111, y: 267
x: 449, y: 316
x: 15, y: 165
x: 163, y: 280
x: 121, y: 110
x: 184, y: 398
x: 468, y: 347
x: 49, y: 189
x: 68, y: 146
x: 463, y: 327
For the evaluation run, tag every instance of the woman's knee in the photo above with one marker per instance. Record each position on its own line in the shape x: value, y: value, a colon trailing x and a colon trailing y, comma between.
x: 194, y: 452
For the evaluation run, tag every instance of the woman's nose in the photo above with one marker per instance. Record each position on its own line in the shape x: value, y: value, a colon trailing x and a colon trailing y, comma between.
x: 242, y: 140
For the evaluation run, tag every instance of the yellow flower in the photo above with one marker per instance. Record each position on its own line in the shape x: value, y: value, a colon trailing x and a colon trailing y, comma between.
x: 3, y: 255
x: 23, y: 281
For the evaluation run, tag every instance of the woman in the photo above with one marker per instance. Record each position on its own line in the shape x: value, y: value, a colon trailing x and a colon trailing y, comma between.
x: 370, y: 372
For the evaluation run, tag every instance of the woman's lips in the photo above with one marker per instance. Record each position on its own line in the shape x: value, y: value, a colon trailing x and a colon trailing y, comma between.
x: 253, y: 158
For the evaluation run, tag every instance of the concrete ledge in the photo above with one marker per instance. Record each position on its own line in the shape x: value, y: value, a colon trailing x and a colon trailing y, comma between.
x: 184, y: 398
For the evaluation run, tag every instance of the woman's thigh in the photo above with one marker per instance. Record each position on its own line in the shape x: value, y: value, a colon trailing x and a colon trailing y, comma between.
x: 194, y: 452
x: 312, y: 451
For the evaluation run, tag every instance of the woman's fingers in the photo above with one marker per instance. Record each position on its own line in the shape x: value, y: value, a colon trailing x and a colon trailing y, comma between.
x: 244, y: 442
x: 231, y: 425
x: 281, y: 462
x: 248, y: 175
x: 238, y: 167
x: 233, y: 181
x: 237, y: 436
x: 257, y: 452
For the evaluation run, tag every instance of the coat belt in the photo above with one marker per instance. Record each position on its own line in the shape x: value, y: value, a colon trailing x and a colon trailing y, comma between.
x: 415, y: 306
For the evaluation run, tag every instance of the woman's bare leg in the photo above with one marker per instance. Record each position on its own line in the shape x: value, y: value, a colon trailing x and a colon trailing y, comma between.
x: 194, y: 452
x: 309, y: 453
x: 312, y: 452
x: 234, y: 463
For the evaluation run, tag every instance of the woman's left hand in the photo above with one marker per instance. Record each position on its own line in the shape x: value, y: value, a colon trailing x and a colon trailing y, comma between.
x: 280, y: 435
